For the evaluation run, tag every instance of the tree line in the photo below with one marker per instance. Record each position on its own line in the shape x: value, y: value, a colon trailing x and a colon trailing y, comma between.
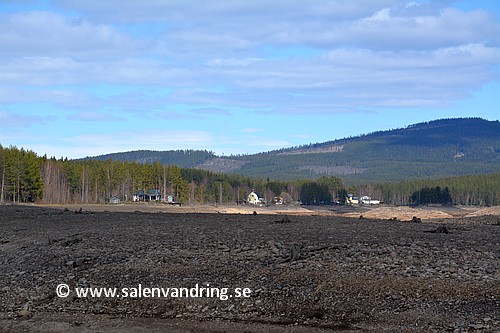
x: 480, y: 190
x: 27, y: 177
x: 431, y: 195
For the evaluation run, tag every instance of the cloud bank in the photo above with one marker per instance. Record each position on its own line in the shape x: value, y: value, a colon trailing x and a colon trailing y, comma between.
x: 195, y: 60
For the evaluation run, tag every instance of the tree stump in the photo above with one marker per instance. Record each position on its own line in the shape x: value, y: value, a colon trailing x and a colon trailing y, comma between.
x: 440, y: 230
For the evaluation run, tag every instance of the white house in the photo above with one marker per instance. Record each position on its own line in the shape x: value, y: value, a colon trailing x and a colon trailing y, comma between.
x: 253, y: 199
x: 369, y: 201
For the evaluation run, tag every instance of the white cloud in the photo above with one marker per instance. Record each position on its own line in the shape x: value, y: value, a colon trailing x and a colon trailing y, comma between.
x: 215, y: 26
x: 93, y: 116
x: 15, y: 120
x: 62, y: 98
x: 233, y: 62
x: 44, y: 71
x: 175, y: 115
x: 369, y: 53
x: 180, y: 11
x: 252, y: 130
x: 339, y: 80
x: 49, y: 34
x: 181, y: 64
x: 382, y: 15
x: 209, y: 112
x: 155, y: 139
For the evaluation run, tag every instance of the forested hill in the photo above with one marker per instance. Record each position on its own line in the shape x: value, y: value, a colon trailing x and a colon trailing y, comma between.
x: 440, y: 148
x: 180, y: 158
x: 460, y: 132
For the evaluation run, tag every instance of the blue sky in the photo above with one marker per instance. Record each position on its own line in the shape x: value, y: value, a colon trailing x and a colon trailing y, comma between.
x: 82, y: 77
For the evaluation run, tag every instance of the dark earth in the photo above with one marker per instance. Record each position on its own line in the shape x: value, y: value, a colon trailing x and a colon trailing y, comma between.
x: 305, y: 273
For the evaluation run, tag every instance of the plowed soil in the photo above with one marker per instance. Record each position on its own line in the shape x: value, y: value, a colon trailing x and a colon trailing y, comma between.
x: 307, y: 271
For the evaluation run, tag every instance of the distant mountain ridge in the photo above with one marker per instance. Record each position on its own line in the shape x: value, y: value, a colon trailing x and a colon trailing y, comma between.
x: 467, y: 128
x: 439, y: 148
x: 181, y: 158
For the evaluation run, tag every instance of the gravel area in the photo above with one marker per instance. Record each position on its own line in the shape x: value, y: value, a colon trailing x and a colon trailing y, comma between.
x: 305, y: 273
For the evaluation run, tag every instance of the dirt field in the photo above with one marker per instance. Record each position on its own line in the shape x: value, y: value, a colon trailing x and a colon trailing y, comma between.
x: 306, y: 270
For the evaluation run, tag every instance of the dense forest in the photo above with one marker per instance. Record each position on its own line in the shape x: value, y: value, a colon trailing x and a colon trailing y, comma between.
x: 27, y: 177
x: 480, y: 190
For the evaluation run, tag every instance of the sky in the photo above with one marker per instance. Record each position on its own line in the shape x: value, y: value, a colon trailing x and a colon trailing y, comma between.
x: 86, y: 77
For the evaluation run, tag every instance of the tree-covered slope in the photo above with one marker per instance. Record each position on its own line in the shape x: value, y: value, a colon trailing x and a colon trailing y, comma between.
x: 180, y: 158
x: 440, y: 148
x: 447, y: 147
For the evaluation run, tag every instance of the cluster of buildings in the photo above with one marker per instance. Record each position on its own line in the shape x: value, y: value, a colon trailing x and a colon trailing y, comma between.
x: 146, y: 196
x: 254, y: 199
x: 151, y: 195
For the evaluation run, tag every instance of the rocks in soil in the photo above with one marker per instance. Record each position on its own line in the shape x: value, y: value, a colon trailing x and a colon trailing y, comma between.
x: 27, y: 311
x: 317, y: 271
x: 223, y: 247
x: 416, y: 220
x: 440, y: 230
x: 80, y: 262
x: 295, y: 253
x: 284, y: 219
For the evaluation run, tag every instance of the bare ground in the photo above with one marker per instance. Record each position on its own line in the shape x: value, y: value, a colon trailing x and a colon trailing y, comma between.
x: 401, y: 213
x: 308, y: 270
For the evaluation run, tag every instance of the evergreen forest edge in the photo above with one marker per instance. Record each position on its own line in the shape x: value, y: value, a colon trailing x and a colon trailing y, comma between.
x: 27, y: 177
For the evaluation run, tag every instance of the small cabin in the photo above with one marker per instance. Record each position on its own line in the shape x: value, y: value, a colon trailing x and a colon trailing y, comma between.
x: 151, y: 195
x: 170, y: 200
x: 278, y: 200
x: 366, y: 200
